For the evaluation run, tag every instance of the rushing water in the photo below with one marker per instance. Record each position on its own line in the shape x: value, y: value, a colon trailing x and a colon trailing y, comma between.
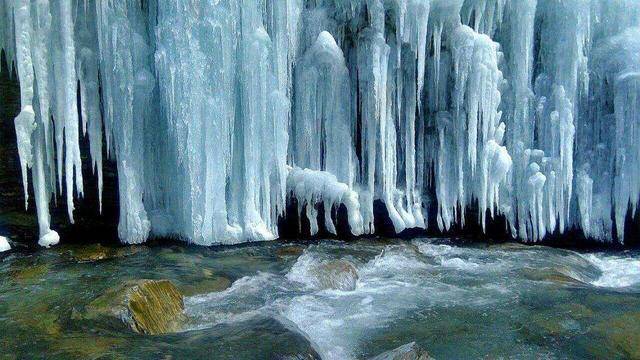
x: 457, y: 300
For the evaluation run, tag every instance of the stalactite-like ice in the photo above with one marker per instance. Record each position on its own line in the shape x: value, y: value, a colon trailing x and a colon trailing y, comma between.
x: 217, y: 113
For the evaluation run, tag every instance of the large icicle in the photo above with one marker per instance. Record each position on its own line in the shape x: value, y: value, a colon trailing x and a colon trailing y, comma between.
x: 128, y: 83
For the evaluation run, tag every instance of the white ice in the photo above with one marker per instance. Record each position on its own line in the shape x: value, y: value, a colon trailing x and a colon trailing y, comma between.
x: 524, y: 109
x: 4, y: 244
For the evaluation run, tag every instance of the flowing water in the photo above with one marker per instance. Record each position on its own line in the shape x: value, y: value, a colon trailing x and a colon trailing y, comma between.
x: 455, y: 299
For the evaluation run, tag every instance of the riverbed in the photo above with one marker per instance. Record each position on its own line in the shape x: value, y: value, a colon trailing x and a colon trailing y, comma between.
x: 456, y: 299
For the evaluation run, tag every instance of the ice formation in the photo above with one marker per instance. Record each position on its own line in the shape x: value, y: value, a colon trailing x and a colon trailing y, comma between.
x: 216, y: 113
x: 4, y: 244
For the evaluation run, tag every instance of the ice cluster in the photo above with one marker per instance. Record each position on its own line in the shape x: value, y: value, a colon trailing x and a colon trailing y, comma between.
x: 218, y: 112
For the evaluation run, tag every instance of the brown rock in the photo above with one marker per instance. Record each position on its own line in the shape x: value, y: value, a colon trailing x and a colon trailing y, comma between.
x: 146, y: 306
x: 207, y: 285
x: 91, y: 253
x: 337, y: 274
x: 292, y: 250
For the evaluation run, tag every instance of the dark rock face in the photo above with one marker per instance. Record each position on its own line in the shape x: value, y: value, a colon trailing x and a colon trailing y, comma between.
x: 410, y: 351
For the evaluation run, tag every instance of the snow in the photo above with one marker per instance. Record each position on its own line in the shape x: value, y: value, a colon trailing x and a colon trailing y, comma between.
x: 216, y: 113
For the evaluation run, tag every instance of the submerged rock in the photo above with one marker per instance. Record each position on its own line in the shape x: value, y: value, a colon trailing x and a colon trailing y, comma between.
x: 26, y: 272
x: 552, y: 275
x: 97, y: 252
x: 562, y: 320
x: 206, y: 285
x: 146, y: 306
x: 40, y: 319
x: 410, y: 351
x: 86, y: 346
x: 91, y: 253
x: 620, y: 334
x: 259, y: 337
x: 337, y: 274
x: 292, y: 250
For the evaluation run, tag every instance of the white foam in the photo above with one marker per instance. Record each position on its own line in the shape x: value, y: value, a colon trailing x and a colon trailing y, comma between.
x: 460, y: 264
x: 617, y: 272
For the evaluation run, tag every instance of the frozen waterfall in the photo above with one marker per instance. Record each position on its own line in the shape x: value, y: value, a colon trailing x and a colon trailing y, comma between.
x: 218, y: 112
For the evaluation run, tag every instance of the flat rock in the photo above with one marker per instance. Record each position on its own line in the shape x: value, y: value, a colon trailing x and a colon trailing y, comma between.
x: 410, y: 351
x: 146, y: 306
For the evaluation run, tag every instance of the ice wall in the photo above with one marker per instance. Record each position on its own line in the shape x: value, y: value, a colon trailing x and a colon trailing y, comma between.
x: 216, y: 113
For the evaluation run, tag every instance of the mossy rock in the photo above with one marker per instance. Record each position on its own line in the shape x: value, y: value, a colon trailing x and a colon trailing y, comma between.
x: 205, y: 286
x: 290, y: 251
x: 551, y: 275
x: 563, y: 320
x: 130, y: 250
x: 620, y: 334
x: 26, y: 273
x: 97, y: 252
x: 146, y: 306
x: 86, y: 347
x: 39, y: 319
x: 577, y: 311
x: 91, y: 253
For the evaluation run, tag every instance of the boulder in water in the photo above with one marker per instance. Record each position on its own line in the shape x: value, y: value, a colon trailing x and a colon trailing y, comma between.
x: 410, y: 351
x: 337, y: 274
x: 146, y: 306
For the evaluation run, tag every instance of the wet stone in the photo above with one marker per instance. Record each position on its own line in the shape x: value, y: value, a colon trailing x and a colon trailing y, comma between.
x: 410, y: 351
x: 204, y: 286
x: 337, y: 274
x: 290, y: 251
x: 23, y: 272
x: 98, y: 252
x: 146, y: 306
x: 550, y: 275
x: 621, y: 334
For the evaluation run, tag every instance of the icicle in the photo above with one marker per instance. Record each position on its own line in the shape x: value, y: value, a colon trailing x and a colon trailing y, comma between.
x: 311, y: 187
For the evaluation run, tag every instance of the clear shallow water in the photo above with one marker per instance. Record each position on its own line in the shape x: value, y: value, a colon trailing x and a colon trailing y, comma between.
x: 456, y: 300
